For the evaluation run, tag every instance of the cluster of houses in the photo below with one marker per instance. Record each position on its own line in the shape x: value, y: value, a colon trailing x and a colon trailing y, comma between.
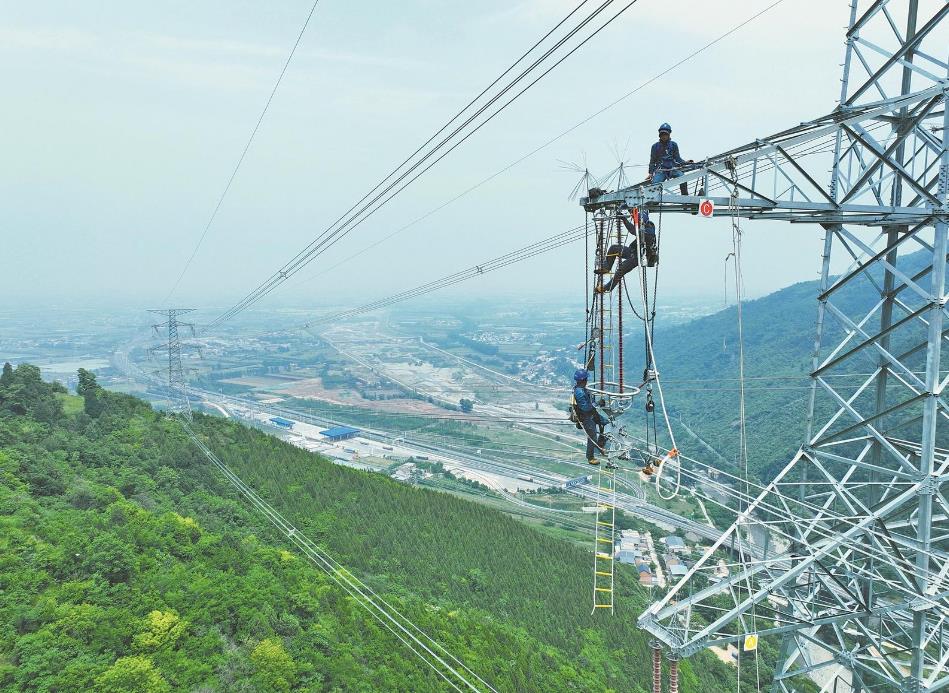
x: 635, y: 548
x: 673, y: 558
x: 408, y: 473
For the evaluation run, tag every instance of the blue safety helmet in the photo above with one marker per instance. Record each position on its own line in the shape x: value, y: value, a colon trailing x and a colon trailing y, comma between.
x: 665, y: 127
x: 580, y: 375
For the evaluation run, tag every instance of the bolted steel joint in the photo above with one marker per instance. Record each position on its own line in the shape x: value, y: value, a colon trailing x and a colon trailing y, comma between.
x: 927, y: 486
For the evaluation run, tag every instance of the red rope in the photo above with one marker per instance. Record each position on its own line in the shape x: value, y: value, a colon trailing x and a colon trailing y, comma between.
x: 619, y: 285
x: 601, y: 238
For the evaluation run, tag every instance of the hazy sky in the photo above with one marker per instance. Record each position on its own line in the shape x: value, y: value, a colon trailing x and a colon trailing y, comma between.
x: 123, y: 120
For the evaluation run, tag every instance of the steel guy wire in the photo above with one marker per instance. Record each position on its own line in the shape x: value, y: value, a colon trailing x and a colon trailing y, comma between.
x: 742, y: 435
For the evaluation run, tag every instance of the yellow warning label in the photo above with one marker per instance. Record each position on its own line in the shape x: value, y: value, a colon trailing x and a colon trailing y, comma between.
x: 751, y: 642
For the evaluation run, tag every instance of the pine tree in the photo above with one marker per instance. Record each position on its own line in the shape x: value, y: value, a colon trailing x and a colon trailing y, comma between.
x: 7, y: 377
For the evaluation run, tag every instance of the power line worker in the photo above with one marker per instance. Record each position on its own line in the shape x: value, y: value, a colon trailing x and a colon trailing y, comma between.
x: 665, y: 161
x: 630, y: 253
x: 650, y: 241
x: 587, y: 416
x: 629, y: 260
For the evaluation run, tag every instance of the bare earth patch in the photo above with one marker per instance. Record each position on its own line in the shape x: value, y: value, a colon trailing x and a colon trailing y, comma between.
x: 313, y: 388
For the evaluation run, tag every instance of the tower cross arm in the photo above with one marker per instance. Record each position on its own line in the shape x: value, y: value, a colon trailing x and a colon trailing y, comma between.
x: 776, y: 177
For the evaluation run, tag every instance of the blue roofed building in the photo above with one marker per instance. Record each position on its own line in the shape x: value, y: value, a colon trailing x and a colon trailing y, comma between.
x: 280, y: 421
x: 337, y: 433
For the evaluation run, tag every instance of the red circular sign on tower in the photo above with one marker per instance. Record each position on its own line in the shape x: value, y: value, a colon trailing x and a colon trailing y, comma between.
x: 706, y: 208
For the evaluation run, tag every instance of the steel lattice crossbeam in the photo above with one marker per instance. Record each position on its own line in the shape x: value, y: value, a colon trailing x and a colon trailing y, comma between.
x: 776, y: 175
x: 779, y: 176
x: 848, y: 565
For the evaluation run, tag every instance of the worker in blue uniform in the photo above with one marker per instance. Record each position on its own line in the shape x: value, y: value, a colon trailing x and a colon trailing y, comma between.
x: 629, y: 254
x: 665, y: 162
x: 589, y: 418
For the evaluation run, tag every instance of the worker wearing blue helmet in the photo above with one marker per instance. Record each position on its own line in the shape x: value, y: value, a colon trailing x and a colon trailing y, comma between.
x: 665, y: 162
x: 587, y: 416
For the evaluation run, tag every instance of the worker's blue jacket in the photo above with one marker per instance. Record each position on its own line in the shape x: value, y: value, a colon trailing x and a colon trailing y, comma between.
x: 584, y: 401
x: 664, y: 156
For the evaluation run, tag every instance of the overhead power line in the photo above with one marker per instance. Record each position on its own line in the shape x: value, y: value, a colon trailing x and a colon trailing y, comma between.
x: 240, y: 160
x: 691, y: 56
x: 447, y: 666
x: 352, y: 219
x: 527, y: 252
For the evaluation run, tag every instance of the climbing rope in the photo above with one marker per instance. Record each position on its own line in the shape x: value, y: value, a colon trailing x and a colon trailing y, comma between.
x: 742, y: 430
x: 650, y: 371
x: 725, y: 303
x: 649, y: 332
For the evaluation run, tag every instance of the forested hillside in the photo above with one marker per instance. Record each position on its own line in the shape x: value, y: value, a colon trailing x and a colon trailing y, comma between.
x: 699, y: 366
x: 128, y: 564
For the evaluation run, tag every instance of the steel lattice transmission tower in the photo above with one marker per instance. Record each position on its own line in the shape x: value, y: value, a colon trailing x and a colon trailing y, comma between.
x: 851, y: 566
x: 176, y: 381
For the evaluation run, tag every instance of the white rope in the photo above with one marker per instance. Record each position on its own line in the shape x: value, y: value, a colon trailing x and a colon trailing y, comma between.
x: 673, y: 452
x: 742, y: 431
x: 725, y: 306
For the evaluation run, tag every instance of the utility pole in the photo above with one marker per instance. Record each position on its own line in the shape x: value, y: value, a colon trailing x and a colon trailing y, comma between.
x: 855, y: 586
x: 176, y: 381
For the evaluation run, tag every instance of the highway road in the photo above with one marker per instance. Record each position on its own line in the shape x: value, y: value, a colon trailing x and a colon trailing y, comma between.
x: 630, y: 500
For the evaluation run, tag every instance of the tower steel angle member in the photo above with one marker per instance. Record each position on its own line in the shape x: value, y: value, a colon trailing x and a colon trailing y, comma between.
x: 850, y: 570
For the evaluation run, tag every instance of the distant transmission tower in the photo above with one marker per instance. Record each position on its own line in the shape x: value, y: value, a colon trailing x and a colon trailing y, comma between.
x: 849, y: 561
x: 175, y: 373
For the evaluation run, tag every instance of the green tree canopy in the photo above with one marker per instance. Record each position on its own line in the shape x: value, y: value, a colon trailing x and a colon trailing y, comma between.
x: 132, y: 675
x: 276, y: 670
